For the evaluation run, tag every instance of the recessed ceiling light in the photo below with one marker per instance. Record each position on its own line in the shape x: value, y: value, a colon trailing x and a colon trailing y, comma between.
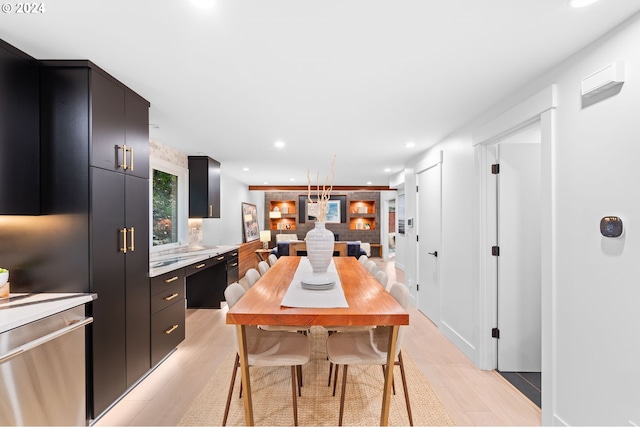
x: 369, y: 183
x: 203, y: 4
x: 292, y: 179
x: 410, y: 144
x: 265, y: 182
x: 581, y: 3
x: 279, y: 144
x: 245, y: 169
x: 387, y: 170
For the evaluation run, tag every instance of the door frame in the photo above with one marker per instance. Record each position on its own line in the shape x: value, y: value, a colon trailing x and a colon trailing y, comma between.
x: 426, y: 164
x: 538, y: 108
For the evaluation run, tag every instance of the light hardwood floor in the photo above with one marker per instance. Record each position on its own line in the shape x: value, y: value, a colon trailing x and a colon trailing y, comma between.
x: 472, y: 396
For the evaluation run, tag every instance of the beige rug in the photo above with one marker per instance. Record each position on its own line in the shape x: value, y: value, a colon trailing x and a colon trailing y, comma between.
x: 272, y: 404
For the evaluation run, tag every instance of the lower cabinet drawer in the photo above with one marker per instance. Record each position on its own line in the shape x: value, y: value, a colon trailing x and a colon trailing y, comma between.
x: 167, y: 297
x: 167, y: 330
x: 232, y: 275
x: 167, y: 280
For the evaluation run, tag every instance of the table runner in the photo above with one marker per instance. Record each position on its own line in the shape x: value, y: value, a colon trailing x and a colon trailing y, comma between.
x: 296, y: 296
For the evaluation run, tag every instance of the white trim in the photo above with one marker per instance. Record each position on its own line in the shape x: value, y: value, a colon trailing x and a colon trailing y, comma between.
x: 516, y: 118
x: 538, y: 108
x: 183, y: 202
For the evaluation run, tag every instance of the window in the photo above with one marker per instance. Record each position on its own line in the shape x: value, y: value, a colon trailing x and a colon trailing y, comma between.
x: 168, y: 205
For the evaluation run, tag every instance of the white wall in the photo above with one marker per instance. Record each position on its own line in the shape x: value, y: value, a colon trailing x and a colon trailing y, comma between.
x: 227, y: 230
x: 595, y: 332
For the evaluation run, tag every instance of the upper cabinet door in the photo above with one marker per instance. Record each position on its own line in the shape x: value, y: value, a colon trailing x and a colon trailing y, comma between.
x: 19, y: 133
x: 204, y: 187
x: 107, y: 120
x: 136, y: 112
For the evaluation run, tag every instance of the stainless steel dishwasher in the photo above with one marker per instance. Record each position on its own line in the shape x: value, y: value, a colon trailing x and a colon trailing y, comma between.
x: 42, y: 371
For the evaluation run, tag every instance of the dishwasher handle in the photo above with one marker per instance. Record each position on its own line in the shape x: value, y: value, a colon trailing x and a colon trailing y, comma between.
x: 42, y: 340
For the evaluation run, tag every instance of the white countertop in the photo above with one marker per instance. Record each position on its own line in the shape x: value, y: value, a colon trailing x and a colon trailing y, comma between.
x: 165, y: 263
x: 21, y: 309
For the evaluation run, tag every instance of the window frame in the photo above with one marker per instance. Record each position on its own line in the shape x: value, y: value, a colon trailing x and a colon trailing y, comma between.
x: 183, y: 202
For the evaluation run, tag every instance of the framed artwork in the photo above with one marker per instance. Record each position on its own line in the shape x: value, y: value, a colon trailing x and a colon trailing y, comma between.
x: 250, y: 222
x: 336, y: 209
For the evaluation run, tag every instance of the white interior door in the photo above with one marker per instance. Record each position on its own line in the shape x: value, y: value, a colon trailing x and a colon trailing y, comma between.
x: 519, y: 286
x: 429, y: 208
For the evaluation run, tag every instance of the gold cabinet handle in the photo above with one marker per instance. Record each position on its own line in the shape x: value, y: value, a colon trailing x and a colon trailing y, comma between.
x: 123, y: 249
x: 133, y: 239
x: 170, y: 297
x: 200, y: 265
x: 210, y: 210
x: 123, y: 165
x: 173, y: 279
x: 234, y: 254
x: 234, y: 264
x: 171, y: 329
x: 131, y: 158
x: 220, y: 258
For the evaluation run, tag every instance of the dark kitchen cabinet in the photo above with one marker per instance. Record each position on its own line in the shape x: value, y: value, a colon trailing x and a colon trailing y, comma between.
x: 204, y: 187
x: 232, y: 267
x: 207, y: 280
x: 19, y: 133
x: 94, y: 140
x: 167, y: 313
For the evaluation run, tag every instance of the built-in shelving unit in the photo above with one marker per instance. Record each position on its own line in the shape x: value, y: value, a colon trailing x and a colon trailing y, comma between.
x: 359, y: 215
x: 282, y: 215
x: 362, y: 215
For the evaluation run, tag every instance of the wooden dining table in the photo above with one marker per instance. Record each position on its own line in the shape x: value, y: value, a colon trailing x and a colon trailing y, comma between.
x: 369, y: 304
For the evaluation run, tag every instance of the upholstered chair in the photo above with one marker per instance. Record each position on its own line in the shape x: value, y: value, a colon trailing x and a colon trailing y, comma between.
x: 265, y: 348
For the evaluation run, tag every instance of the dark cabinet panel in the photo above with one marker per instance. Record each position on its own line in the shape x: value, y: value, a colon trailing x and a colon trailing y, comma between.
x: 232, y: 267
x: 107, y: 110
x: 137, y: 134
x: 108, y: 281
x: 19, y: 133
x: 84, y: 120
x: 204, y: 187
x: 167, y: 330
x: 166, y: 281
x: 170, y: 295
x: 137, y: 278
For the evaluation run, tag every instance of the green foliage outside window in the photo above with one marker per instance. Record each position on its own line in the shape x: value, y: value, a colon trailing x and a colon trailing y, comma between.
x: 165, y: 208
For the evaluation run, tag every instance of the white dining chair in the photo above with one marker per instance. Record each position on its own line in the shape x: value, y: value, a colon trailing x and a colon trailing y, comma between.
x: 263, y: 267
x: 382, y: 278
x: 368, y: 348
x: 252, y: 275
x: 272, y: 259
x: 371, y: 267
x: 363, y: 259
x: 265, y: 348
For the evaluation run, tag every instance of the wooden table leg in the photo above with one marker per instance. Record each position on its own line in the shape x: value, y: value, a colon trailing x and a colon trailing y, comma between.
x: 244, y: 373
x: 388, y: 376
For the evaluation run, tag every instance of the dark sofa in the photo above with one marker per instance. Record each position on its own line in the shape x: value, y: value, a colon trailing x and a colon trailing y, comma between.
x: 353, y: 249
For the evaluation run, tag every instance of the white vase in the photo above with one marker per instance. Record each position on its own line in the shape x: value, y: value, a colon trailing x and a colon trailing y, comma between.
x: 319, y: 247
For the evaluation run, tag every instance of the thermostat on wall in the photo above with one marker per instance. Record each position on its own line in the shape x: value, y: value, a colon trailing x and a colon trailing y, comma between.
x: 611, y: 226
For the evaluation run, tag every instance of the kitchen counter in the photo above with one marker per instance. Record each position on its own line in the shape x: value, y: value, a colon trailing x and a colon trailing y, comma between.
x: 159, y: 265
x: 20, y: 309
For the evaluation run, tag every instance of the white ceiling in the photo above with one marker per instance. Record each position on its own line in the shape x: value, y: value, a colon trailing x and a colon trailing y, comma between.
x: 356, y: 78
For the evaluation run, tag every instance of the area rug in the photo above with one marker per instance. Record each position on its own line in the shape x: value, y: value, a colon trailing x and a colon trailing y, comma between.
x: 272, y: 403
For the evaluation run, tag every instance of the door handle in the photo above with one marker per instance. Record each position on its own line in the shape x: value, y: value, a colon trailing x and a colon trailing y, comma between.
x: 130, y: 150
x: 434, y: 253
x: 123, y: 249
x: 123, y: 165
x: 133, y: 239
